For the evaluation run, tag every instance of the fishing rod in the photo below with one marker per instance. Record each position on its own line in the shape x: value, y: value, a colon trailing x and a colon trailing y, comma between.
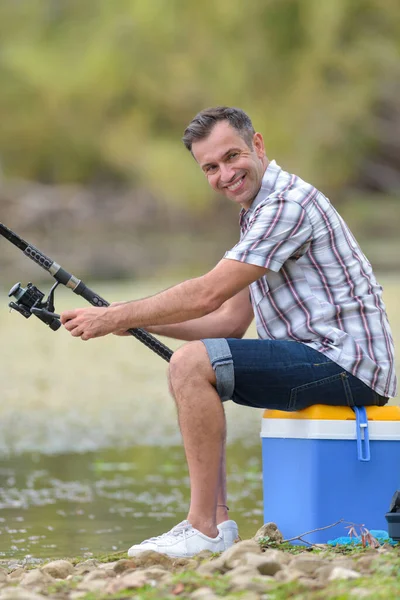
x: 31, y: 301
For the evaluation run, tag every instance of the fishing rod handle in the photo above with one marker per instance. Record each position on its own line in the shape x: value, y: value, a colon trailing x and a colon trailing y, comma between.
x: 152, y: 343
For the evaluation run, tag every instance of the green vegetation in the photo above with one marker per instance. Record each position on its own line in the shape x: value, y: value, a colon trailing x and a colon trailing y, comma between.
x: 95, y: 95
x: 101, y: 91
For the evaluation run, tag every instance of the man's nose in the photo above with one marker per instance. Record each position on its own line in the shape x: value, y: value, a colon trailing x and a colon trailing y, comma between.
x: 227, y: 173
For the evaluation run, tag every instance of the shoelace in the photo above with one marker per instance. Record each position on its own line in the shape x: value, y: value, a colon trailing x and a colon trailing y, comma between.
x: 178, y: 530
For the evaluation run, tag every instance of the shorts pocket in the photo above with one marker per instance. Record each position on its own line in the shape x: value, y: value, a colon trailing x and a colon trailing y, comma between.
x: 333, y: 390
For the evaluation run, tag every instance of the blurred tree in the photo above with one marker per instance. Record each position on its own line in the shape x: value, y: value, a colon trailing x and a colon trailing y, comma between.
x: 101, y: 91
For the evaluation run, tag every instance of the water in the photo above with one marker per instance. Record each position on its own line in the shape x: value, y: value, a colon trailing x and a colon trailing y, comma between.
x: 103, y: 502
x: 60, y: 394
x: 64, y: 404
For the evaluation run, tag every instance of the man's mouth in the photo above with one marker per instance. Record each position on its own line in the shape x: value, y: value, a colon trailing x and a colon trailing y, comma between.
x: 235, y: 186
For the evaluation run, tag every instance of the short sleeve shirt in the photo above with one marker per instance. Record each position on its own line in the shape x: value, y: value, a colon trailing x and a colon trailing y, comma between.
x: 320, y: 289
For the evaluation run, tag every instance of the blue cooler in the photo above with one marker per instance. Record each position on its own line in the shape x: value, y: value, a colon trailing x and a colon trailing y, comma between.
x: 326, y: 463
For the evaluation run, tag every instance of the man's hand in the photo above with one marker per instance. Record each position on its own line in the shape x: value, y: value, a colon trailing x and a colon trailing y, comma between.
x: 191, y: 299
x: 88, y: 323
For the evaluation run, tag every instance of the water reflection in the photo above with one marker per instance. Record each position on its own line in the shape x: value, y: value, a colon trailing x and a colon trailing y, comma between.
x: 85, y: 504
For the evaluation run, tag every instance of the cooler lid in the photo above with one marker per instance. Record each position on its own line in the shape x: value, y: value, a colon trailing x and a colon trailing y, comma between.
x: 336, y: 413
x: 326, y: 429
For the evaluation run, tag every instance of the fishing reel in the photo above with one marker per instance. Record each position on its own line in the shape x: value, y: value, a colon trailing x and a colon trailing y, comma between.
x: 30, y: 301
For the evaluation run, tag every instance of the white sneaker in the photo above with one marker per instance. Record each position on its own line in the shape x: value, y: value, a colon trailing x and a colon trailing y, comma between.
x: 230, y: 532
x: 182, y: 540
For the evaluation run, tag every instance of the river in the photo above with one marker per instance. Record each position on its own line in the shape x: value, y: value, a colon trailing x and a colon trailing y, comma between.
x: 90, y: 455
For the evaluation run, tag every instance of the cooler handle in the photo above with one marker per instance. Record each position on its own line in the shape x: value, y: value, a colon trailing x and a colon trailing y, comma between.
x: 363, y: 453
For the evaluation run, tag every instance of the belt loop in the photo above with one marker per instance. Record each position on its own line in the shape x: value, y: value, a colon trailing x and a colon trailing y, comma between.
x: 347, y: 390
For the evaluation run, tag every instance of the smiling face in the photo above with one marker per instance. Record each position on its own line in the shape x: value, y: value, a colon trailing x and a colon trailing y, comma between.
x: 231, y: 167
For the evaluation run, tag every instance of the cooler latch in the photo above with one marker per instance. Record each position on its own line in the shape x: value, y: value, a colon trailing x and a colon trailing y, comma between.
x: 363, y: 452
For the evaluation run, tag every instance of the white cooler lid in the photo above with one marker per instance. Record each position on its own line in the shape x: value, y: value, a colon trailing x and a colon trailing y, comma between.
x: 324, y: 429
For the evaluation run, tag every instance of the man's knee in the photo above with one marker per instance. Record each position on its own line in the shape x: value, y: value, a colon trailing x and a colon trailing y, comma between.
x: 190, y: 363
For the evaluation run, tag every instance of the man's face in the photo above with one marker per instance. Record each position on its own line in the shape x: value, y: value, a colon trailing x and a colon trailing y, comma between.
x: 231, y: 167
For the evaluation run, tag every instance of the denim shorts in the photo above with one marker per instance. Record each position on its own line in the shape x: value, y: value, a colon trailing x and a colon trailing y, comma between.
x: 283, y: 375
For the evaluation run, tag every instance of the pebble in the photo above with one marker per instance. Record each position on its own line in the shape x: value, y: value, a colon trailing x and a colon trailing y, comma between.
x: 271, y: 531
x: 307, y: 564
x: 342, y: 573
x: 59, y: 569
x: 245, y: 568
x: 203, y: 593
x: 36, y: 579
x: 20, y: 594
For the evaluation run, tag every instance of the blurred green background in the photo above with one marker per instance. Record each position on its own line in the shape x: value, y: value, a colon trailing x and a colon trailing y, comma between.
x: 95, y: 95
x: 94, y: 99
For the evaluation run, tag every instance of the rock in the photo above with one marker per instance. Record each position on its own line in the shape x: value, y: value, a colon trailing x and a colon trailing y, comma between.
x: 271, y: 531
x: 98, y: 574
x: 203, y: 593
x: 36, y: 578
x: 14, y: 567
x: 155, y: 573
x: 282, y: 558
x: 212, y: 566
x: 323, y: 573
x: 149, y: 558
x: 310, y: 583
x: 288, y: 575
x: 16, y: 574
x: 15, y: 593
x: 265, y: 565
x: 86, y: 566
x: 342, y: 573
x: 233, y: 556
x: 130, y: 581
x: 77, y: 595
x: 94, y: 585
x: 185, y: 564
x: 258, y: 584
x: 249, y: 571
x: 364, y: 563
x: 346, y: 563
x: 307, y: 564
x: 125, y: 564
x: 107, y: 565
x: 59, y: 569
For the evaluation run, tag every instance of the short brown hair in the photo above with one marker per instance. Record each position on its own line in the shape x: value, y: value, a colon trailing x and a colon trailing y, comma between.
x: 202, y: 124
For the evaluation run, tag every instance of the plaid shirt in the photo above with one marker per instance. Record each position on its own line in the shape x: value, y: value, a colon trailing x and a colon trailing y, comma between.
x: 320, y: 288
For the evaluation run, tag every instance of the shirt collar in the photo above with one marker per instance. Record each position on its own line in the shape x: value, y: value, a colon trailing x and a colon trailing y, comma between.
x: 268, y: 182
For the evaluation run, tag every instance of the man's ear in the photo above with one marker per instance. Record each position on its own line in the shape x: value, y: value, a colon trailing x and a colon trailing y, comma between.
x: 258, y: 144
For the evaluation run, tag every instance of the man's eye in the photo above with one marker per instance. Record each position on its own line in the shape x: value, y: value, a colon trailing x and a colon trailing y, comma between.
x: 233, y: 155
x: 210, y: 168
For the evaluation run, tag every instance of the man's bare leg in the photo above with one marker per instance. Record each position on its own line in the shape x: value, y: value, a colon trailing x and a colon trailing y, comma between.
x: 202, y: 423
x: 222, y: 509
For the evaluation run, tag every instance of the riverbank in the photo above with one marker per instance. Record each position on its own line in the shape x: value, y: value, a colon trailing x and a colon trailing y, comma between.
x: 130, y: 233
x: 258, y: 568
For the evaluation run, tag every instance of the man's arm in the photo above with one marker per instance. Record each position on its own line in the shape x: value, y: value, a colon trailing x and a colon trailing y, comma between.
x: 189, y: 300
x: 232, y: 319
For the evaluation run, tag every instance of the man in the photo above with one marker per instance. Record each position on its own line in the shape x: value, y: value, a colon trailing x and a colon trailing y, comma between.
x: 323, y: 332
